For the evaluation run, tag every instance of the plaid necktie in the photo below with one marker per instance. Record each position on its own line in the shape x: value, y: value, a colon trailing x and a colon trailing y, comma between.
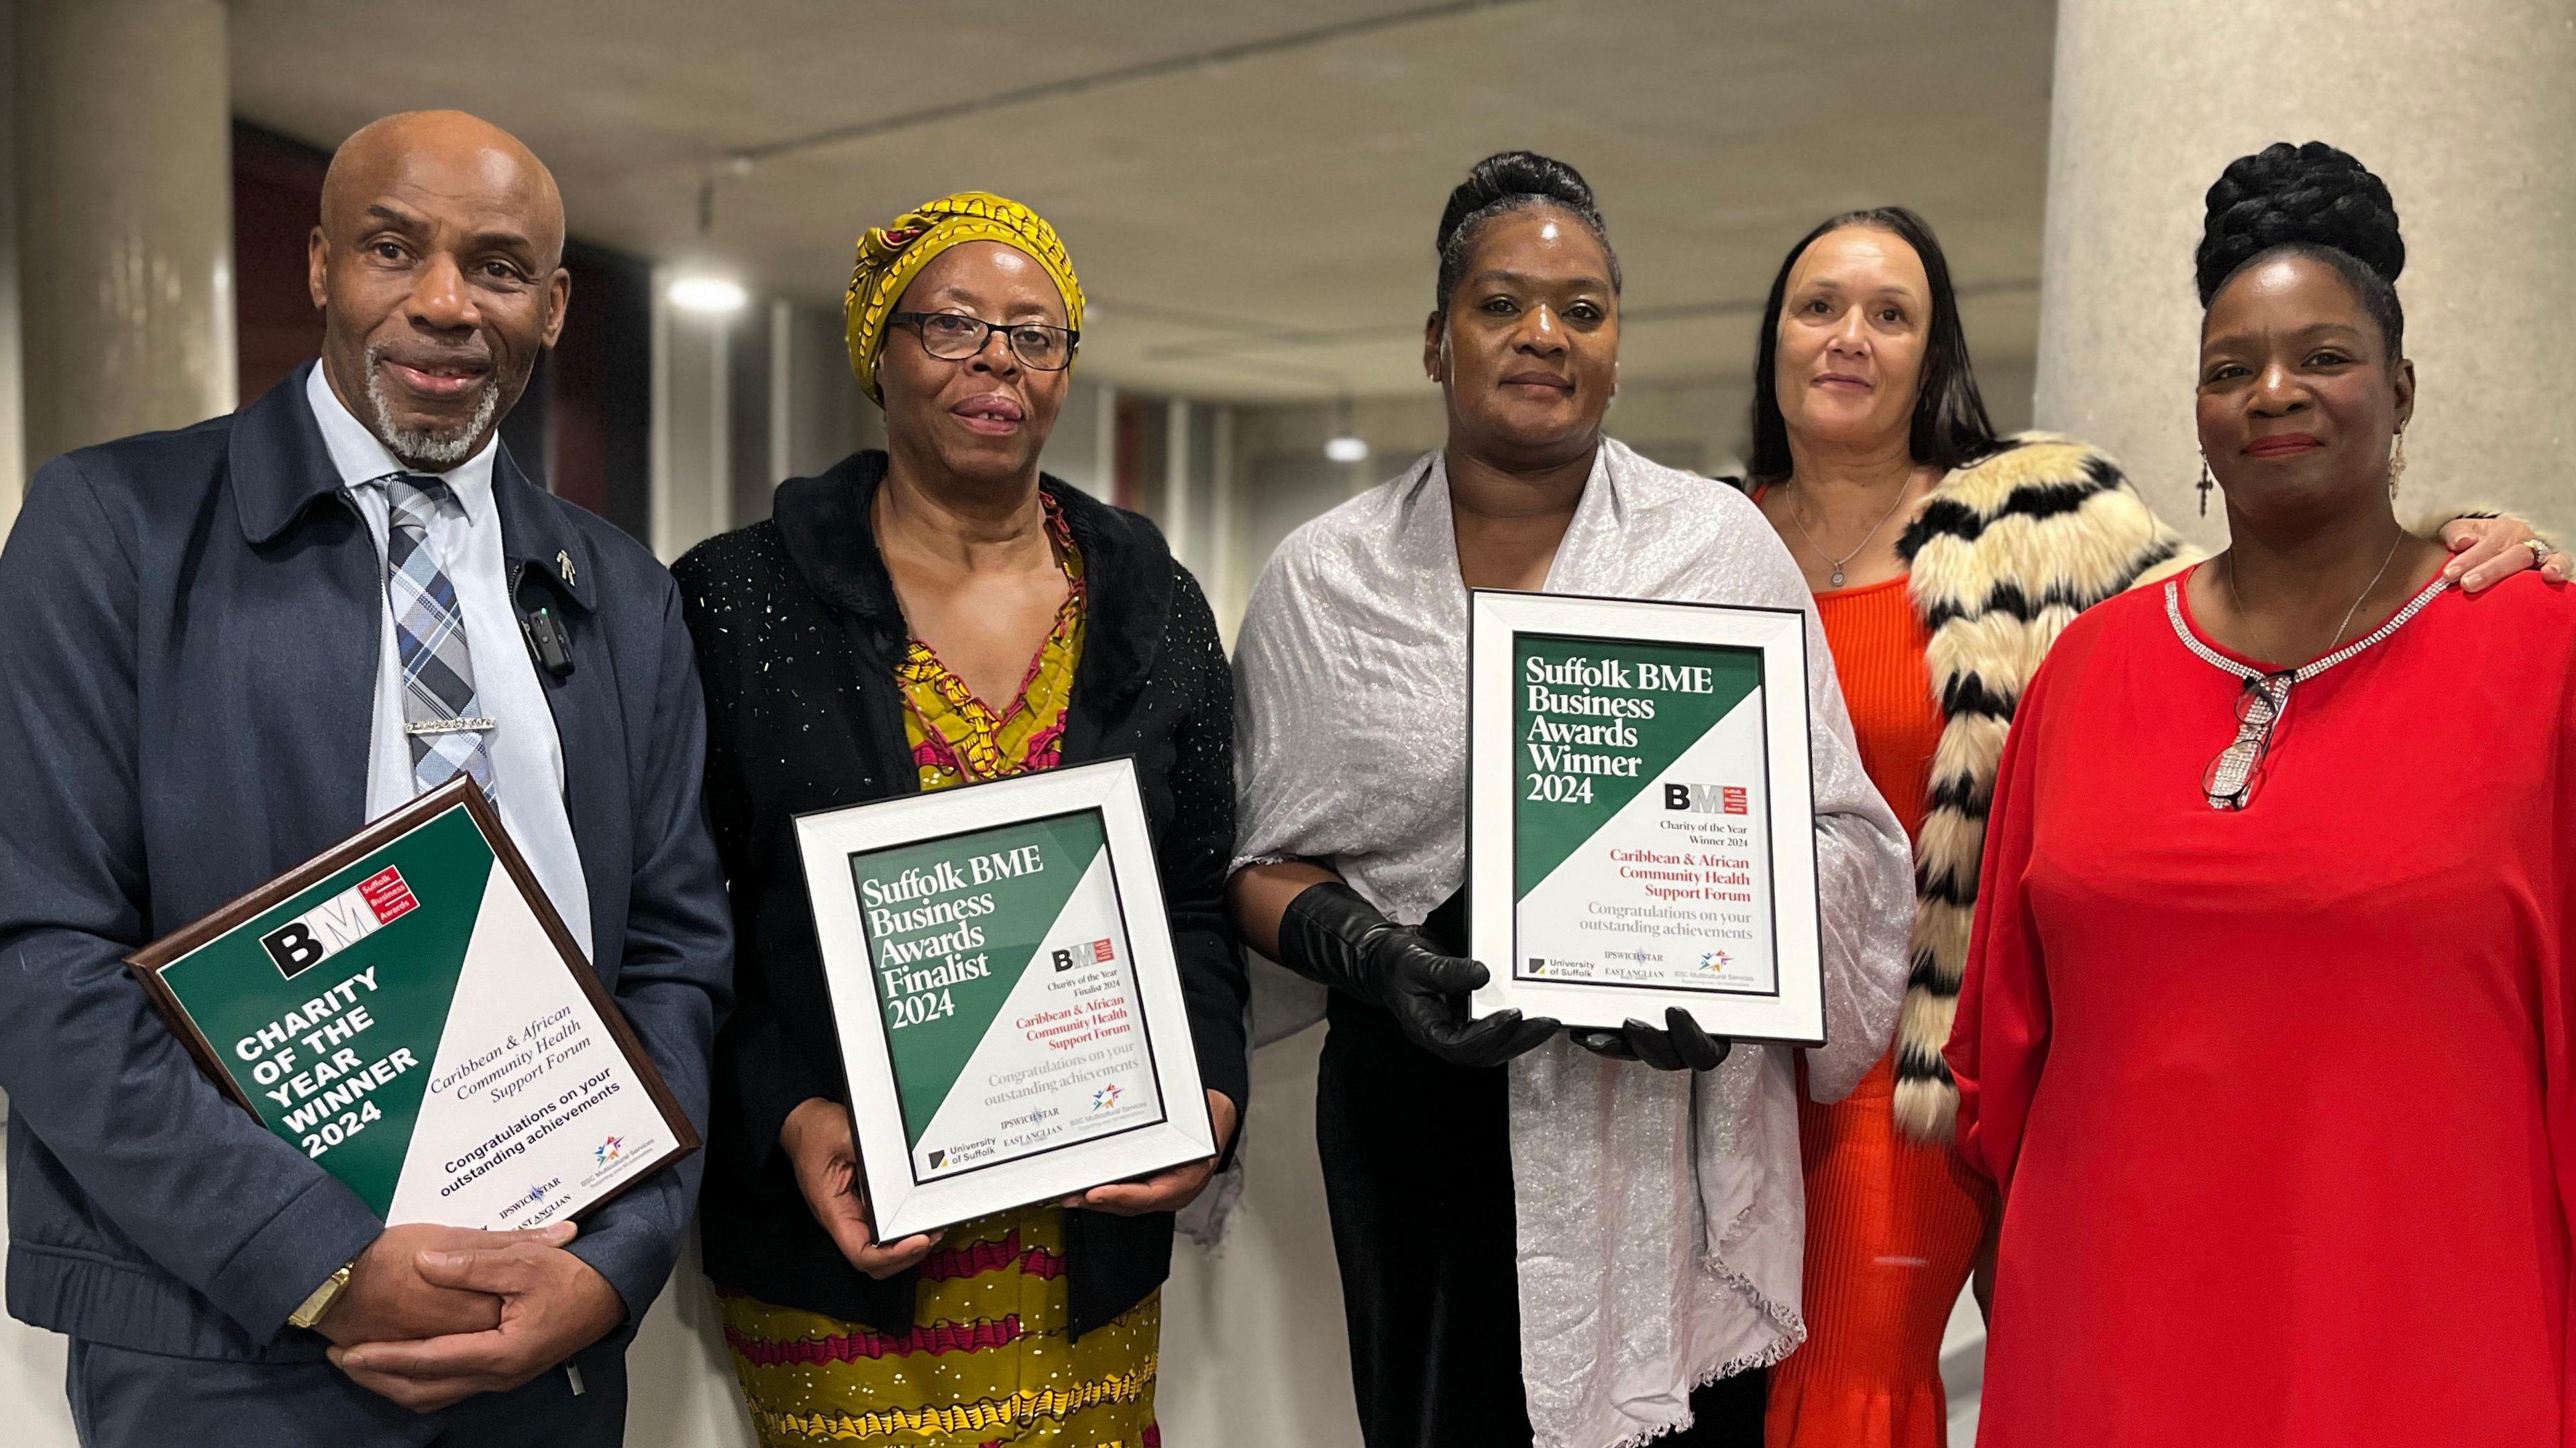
x: 448, y: 734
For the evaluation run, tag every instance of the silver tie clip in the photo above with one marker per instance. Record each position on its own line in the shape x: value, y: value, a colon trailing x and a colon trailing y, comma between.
x: 423, y: 727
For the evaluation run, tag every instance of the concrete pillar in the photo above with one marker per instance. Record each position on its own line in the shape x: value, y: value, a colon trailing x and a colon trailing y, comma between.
x: 125, y: 217
x: 2465, y: 110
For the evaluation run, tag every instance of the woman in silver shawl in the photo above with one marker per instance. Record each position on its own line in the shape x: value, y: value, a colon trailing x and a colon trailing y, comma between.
x: 1568, y: 1239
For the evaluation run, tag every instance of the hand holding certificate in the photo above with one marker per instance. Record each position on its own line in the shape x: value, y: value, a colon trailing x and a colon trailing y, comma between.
x: 1003, y: 984
x: 1640, y: 825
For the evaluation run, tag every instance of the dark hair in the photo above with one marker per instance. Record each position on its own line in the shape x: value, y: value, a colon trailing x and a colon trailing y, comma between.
x: 1950, y: 428
x: 1508, y: 181
x: 2313, y: 201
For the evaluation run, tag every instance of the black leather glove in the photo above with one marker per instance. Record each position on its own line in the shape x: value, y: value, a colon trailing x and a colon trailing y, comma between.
x: 1682, y: 1046
x: 1332, y: 935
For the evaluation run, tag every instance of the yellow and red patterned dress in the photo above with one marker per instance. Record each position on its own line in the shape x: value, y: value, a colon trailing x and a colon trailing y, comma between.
x: 989, y: 1359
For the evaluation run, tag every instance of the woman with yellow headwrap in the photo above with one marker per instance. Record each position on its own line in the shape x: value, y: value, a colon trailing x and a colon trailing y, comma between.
x: 934, y: 614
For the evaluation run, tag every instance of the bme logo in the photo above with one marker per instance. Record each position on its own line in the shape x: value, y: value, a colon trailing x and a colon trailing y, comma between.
x: 1100, y: 950
x: 1732, y: 799
x: 339, y: 922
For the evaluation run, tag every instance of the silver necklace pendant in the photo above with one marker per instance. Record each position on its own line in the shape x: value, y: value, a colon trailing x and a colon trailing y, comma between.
x: 1838, y: 578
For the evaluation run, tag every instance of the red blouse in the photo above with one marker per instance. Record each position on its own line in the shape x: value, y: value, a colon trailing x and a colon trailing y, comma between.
x: 2281, y: 1101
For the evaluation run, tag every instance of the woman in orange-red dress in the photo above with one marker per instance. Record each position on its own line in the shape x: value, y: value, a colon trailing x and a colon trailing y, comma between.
x: 1944, y: 561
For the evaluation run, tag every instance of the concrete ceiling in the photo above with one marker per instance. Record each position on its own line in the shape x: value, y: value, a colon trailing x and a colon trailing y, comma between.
x: 1249, y: 189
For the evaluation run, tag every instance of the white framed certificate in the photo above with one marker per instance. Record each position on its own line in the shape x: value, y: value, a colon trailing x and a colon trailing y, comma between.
x: 1004, y: 990
x: 1641, y: 817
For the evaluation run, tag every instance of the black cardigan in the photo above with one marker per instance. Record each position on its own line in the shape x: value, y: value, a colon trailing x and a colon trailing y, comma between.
x: 798, y: 632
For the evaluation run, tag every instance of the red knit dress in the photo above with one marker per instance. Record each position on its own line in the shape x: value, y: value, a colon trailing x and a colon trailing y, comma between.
x: 1892, y: 1225
x: 2283, y: 1100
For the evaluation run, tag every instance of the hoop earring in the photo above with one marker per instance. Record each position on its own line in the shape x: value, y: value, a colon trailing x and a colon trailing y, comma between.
x: 2396, y: 464
x: 2206, y: 484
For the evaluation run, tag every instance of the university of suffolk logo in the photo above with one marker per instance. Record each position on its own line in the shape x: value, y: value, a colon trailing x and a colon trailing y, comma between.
x: 938, y: 1159
x: 609, y: 1150
x: 1716, y: 961
x: 1537, y: 966
x: 1106, y: 1098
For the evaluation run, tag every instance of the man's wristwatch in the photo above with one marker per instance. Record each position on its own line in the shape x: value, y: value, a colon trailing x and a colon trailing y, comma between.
x: 322, y: 1298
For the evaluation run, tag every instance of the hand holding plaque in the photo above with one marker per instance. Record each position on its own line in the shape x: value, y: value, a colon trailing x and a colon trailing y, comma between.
x: 1329, y: 934
x: 409, y: 1011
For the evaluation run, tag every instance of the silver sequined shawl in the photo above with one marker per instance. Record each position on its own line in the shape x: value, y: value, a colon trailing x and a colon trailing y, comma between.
x: 1661, y: 1215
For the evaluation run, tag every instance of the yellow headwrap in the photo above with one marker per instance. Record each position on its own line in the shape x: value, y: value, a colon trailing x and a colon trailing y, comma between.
x: 890, y: 256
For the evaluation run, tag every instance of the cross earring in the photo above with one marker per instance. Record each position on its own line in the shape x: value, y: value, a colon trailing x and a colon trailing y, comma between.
x: 2206, y: 483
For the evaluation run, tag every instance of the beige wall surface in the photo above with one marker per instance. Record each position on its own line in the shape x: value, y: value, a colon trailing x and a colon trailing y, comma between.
x: 2468, y: 111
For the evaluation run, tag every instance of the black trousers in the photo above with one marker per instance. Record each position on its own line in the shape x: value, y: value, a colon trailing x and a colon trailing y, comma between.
x: 1418, y: 1179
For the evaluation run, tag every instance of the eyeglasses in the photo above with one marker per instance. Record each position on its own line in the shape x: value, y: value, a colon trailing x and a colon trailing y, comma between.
x: 2230, y: 779
x: 954, y: 337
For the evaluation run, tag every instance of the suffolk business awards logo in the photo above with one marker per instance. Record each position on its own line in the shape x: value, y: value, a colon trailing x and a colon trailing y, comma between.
x: 339, y: 922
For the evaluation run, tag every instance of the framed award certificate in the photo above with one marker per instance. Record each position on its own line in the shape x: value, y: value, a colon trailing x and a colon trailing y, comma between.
x: 1002, y: 982
x: 410, y: 1011
x: 1641, y: 830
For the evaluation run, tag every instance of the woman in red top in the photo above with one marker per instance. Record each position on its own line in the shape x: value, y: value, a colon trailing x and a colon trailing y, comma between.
x: 1944, y: 562
x: 2265, y: 1035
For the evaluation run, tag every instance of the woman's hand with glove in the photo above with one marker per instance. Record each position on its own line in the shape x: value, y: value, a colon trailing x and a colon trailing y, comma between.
x: 1681, y: 1046
x: 1330, y: 934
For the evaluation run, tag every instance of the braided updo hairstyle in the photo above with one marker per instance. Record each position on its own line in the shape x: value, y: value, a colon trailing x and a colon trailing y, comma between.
x: 2313, y: 201
x: 1509, y: 181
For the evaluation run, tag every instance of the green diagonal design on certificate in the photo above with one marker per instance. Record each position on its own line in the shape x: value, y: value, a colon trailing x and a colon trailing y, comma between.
x: 336, y: 1057
x: 1596, y: 720
x: 952, y: 926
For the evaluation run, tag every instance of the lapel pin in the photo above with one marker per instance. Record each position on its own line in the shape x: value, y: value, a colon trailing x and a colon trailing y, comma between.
x: 563, y: 560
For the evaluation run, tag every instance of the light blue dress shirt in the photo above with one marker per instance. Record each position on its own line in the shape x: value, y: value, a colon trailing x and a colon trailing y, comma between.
x: 527, y: 755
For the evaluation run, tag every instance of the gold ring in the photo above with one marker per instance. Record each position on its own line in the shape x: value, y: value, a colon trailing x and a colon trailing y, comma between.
x: 2540, y: 550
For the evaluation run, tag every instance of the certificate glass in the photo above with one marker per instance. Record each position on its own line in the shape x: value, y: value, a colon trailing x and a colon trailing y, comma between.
x: 1641, y: 826
x: 1003, y: 986
x: 408, y: 1009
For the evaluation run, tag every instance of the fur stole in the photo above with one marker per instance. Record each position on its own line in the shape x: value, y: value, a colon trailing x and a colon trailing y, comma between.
x: 2003, y: 556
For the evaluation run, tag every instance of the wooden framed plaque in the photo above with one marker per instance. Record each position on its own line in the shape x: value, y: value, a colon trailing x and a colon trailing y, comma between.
x: 1641, y: 821
x: 1003, y: 986
x: 408, y: 1009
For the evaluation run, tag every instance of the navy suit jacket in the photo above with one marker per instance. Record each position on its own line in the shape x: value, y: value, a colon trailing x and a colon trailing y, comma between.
x: 189, y: 634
